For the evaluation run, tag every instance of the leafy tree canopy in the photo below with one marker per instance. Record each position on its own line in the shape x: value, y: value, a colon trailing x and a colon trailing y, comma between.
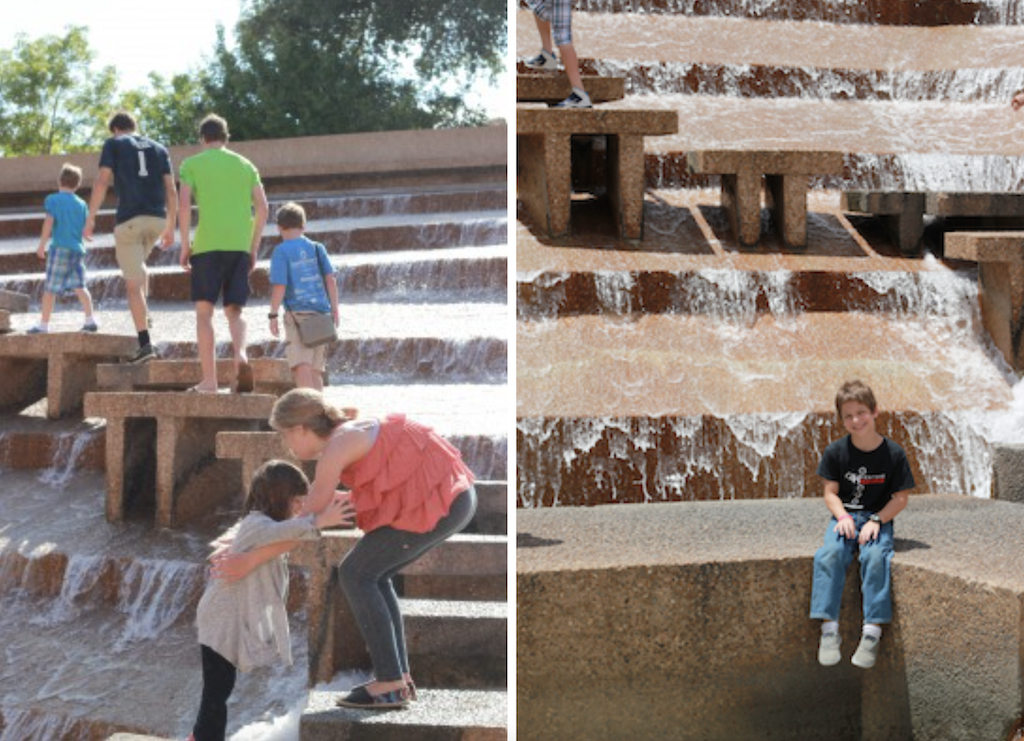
x: 304, y: 67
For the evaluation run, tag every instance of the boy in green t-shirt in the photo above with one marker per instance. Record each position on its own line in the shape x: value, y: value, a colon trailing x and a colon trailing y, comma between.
x: 227, y: 189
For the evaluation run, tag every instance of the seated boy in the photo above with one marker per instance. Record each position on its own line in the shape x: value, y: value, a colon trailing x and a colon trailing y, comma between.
x: 866, y: 482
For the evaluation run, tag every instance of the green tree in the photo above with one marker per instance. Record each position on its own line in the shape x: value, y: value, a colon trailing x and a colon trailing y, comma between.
x: 51, y: 101
x: 169, y: 110
x: 304, y: 67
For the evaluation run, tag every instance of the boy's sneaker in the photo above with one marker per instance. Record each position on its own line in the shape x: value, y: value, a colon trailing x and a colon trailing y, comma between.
x: 576, y: 99
x: 828, y: 649
x: 90, y: 326
x: 867, y: 652
x: 143, y: 355
x: 543, y: 61
x: 36, y: 330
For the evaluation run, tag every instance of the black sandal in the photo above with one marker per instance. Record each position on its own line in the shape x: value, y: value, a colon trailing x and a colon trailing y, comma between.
x: 362, y: 699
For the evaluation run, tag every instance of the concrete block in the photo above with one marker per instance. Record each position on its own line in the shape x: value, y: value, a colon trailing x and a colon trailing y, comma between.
x: 5, y: 321
x: 550, y: 89
x: 717, y: 592
x: 440, y: 715
x: 183, y: 428
x: 1003, y: 247
x: 457, y: 644
x: 975, y: 204
x: 271, y: 375
x: 13, y: 301
x: 64, y: 361
x: 1008, y: 472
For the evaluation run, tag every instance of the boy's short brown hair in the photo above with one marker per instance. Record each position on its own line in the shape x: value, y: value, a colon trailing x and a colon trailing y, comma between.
x: 855, y: 390
x: 70, y: 176
x: 121, y: 121
x: 291, y: 216
x: 213, y: 128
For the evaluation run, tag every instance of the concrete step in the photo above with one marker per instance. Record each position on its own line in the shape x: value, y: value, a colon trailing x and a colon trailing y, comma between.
x: 457, y: 645
x: 884, y: 12
x: 472, y: 272
x: 759, y: 58
x: 645, y: 582
x: 440, y: 715
x: 339, y: 235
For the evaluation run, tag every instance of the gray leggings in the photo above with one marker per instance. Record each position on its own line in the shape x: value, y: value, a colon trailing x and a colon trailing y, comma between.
x: 365, y: 575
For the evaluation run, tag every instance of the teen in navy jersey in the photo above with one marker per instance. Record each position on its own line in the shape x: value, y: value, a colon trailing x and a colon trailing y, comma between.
x: 147, y: 209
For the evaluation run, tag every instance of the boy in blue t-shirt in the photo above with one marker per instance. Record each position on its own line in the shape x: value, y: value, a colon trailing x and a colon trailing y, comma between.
x: 65, y: 271
x: 301, y: 277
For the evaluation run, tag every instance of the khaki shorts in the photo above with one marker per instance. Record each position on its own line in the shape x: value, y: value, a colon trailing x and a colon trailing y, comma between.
x: 297, y: 353
x: 133, y: 241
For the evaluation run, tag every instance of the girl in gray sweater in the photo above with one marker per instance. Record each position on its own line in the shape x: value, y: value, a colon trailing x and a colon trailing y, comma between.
x: 243, y: 624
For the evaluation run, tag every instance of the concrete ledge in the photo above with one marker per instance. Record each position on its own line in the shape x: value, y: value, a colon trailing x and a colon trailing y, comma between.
x: 334, y: 639
x: 1000, y: 258
x: 271, y: 375
x: 457, y: 644
x: 440, y: 715
x: 593, y: 121
x: 719, y: 593
x: 785, y: 176
x: 59, y: 365
x: 902, y: 214
x: 5, y: 321
x: 13, y: 301
x: 181, y: 429
x: 556, y: 88
x: 1008, y: 473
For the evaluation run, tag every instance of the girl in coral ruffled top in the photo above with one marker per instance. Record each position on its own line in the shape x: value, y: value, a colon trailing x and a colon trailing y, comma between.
x: 411, y: 491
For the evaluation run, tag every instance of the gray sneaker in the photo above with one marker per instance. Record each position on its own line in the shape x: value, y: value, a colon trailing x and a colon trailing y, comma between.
x: 543, y: 61
x: 867, y: 652
x: 828, y: 649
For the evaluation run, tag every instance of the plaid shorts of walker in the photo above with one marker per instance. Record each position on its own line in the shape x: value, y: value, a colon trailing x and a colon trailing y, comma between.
x: 64, y: 270
x: 559, y: 14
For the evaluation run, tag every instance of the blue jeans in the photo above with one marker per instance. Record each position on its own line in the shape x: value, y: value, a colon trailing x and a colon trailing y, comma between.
x: 366, y: 575
x: 831, y: 562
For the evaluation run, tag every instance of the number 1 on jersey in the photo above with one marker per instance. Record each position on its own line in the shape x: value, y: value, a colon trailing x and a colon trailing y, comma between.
x: 143, y: 172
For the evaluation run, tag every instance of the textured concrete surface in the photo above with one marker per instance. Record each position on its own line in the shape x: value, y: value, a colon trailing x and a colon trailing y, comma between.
x: 439, y: 715
x: 271, y: 375
x: 13, y: 301
x: 335, y: 641
x: 1008, y: 473
x: 902, y: 213
x: 718, y: 593
x: 59, y: 365
x: 546, y: 88
x: 157, y: 441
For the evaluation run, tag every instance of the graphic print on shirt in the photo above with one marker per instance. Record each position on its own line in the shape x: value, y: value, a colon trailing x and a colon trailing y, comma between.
x: 861, y: 479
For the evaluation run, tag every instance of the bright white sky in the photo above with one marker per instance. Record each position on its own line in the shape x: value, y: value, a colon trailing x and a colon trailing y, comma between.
x: 147, y: 36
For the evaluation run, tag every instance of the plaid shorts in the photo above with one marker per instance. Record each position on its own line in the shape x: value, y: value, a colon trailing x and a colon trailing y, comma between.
x: 559, y: 14
x: 65, y: 270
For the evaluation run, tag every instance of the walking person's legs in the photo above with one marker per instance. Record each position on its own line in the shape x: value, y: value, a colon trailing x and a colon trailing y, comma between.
x: 219, y: 676
x: 205, y: 346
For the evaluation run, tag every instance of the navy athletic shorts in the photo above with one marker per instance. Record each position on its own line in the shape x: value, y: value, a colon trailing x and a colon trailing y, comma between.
x: 217, y: 274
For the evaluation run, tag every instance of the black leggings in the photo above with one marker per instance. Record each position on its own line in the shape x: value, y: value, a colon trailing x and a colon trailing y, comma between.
x: 218, y: 682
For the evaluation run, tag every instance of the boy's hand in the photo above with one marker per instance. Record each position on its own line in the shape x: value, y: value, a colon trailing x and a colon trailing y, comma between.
x: 41, y: 252
x: 337, y: 320
x: 186, y: 253
x: 869, y: 532
x: 1018, y: 100
x: 846, y: 528
x: 166, y: 238
x: 275, y: 330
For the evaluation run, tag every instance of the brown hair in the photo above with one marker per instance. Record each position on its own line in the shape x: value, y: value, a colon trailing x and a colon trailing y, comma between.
x: 308, y: 408
x: 855, y: 390
x: 274, y: 485
x: 291, y: 216
x: 213, y: 128
x: 70, y: 176
x: 121, y: 121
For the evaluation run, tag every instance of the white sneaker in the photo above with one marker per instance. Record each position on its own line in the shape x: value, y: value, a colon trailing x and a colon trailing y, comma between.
x: 577, y: 99
x: 867, y: 652
x: 543, y: 61
x: 37, y: 329
x: 828, y: 649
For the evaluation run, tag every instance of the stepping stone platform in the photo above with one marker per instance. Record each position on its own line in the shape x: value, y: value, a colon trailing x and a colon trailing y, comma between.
x: 13, y: 301
x: 60, y: 366
x: 173, y: 433
x: 1000, y: 258
x: 785, y: 175
x: 553, y: 89
x: 545, y: 163
x: 719, y: 591
x: 271, y: 375
x: 439, y: 715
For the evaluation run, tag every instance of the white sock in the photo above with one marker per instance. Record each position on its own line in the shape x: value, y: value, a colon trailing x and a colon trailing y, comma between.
x: 830, y: 626
x: 875, y: 631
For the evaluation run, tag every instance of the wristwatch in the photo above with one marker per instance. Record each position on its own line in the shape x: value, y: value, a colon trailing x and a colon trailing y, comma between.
x: 875, y: 518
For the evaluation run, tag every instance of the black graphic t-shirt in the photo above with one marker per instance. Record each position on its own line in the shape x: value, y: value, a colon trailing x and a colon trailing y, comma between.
x: 867, y: 480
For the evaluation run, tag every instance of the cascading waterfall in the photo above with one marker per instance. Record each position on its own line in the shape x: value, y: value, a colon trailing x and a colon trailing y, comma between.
x: 70, y: 446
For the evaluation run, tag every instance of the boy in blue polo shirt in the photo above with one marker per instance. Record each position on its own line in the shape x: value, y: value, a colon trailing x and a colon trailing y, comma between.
x: 302, y: 278
x: 65, y: 271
